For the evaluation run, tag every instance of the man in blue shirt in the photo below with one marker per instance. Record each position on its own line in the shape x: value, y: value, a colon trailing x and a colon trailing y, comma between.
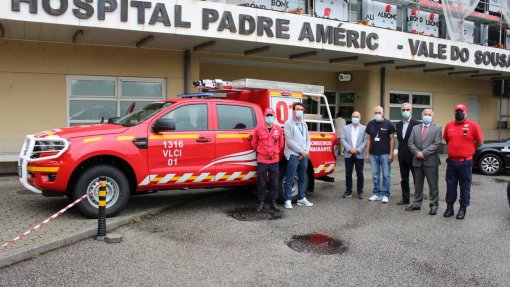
x: 379, y: 153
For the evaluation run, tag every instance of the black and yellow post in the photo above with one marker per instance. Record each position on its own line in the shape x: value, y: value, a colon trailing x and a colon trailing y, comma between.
x: 101, y: 217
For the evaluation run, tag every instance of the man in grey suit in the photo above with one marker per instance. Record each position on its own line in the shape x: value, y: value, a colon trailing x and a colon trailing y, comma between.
x: 424, y: 144
x: 354, y: 140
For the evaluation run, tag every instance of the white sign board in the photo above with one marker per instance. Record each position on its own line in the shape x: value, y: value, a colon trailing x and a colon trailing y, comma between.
x: 381, y: 15
x: 469, y: 32
x: 332, y: 9
x: 423, y: 23
x: 276, y: 5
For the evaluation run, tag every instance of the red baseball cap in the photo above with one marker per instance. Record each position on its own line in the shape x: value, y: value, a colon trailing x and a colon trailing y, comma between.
x: 461, y: 107
x: 269, y: 111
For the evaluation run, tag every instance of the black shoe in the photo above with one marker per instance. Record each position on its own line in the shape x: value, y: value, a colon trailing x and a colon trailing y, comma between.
x: 274, y: 207
x: 260, y: 207
x: 360, y: 195
x: 413, y: 207
x: 403, y: 202
x: 433, y: 210
x: 449, y: 210
x: 462, y: 212
x: 346, y: 195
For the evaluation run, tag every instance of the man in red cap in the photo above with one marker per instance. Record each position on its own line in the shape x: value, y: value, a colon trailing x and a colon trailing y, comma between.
x: 267, y: 142
x: 463, y: 137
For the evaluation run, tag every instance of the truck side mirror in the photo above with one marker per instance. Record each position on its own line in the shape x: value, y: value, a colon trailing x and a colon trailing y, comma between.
x: 113, y: 120
x: 163, y: 125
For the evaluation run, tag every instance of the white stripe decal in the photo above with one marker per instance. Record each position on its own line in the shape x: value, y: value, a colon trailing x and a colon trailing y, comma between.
x: 331, y: 166
x: 184, y: 177
x: 249, y: 175
x: 252, y: 163
x: 201, y: 177
x: 319, y: 168
x: 148, y: 179
x: 236, y: 157
x: 234, y: 176
x: 219, y: 176
x: 167, y: 178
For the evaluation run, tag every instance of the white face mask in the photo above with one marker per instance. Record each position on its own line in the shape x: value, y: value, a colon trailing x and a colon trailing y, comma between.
x: 269, y: 119
x: 299, y: 114
x: 378, y: 117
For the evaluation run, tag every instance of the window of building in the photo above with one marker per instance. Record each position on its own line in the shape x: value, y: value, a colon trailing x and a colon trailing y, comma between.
x: 90, y: 98
x: 419, y: 101
x: 231, y: 117
x: 190, y: 118
x: 339, y: 103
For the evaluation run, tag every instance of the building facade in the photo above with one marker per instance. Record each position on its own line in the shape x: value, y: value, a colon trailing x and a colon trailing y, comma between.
x: 71, y: 62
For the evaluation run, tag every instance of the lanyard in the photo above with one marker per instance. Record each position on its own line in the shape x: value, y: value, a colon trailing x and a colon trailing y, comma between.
x: 300, y: 127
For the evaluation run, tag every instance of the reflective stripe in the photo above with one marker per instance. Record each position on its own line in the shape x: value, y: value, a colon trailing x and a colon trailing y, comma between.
x: 173, y: 137
x: 321, y: 137
x: 232, y: 136
x: 201, y: 177
x: 233, y: 176
x: 167, y: 178
x: 331, y: 166
x: 125, y: 138
x: 249, y: 175
x: 148, y: 179
x: 184, y: 177
x: 92, y: 139
x: 318, y: 169
x: 42, y: 169
x: 219, y: 176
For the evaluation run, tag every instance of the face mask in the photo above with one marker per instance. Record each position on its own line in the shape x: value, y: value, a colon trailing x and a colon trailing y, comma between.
x: 378, y: 117
x: 460, y: 116
x: 299, y: 114
x: 355, y: 121
x: 269, y: 119
x: 406, y: 114
x: 427, y: 119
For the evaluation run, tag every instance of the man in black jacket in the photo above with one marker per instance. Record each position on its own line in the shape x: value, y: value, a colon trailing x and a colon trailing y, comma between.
x: 405, y: 157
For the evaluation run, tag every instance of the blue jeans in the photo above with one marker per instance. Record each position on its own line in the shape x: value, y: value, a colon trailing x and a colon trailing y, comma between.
x: 458, y: 174
x: 379, y: 163
x: 294, y: 164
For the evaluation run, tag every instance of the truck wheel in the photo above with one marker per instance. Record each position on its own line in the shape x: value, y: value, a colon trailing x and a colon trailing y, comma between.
x: 281, y: 185
x: 117, y: 190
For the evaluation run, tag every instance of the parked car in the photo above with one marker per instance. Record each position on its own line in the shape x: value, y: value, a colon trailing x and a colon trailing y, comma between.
x: 492, y: 157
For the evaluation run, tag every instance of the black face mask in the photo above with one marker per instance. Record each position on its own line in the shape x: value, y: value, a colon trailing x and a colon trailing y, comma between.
x: 460, y: 116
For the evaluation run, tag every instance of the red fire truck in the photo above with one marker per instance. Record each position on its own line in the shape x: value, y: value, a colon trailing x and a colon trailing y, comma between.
x: 195, y: 141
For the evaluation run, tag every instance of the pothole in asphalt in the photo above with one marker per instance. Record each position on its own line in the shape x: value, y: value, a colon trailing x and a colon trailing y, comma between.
x: 317, y: 243
x: 249, y: 214
x: 499, y: 180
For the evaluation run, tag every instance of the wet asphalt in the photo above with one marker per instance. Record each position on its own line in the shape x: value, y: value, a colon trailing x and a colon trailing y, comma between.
x: 214, y: 240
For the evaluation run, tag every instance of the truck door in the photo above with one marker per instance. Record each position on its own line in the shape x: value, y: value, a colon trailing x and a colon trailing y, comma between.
x: 177, y: 158
x: 235, y: 160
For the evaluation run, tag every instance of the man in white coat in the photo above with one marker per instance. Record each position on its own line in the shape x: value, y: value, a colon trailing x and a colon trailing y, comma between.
x: 354, y: 141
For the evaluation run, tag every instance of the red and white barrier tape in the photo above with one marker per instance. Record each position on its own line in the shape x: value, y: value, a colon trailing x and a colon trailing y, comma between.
x: 51, y: 218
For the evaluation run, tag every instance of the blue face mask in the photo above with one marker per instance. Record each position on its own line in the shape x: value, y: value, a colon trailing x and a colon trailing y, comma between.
x: 299, y: 114
x: 378, y: 117
x: 269, y: 119
x: 355, y: 121
x: 427, y: 119
x: 406, y: 114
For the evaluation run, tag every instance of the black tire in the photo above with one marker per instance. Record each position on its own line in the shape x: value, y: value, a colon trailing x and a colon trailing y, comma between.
x: 490, y: 164
x: 281, y: 183
x: 117, y: 190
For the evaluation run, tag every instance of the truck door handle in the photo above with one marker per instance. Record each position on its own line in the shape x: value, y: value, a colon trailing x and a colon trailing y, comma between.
x: 250, y: 137
x: 203, y: 140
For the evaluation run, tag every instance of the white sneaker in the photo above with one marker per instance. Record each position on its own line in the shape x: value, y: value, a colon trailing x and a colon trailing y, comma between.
x: 304, y: 202
x: 385, y: 199
x: 288, y: 204
x: 374, y: 198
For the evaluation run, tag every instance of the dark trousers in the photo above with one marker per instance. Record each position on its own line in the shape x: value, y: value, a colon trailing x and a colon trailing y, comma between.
x: 458, y: 173
x: 432, y: 175
x: 349, y: 164
x: 263, y: 169
x: 406, y: 166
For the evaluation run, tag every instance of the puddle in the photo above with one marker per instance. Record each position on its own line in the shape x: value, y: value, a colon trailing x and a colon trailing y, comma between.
x: 499, y: 180
x: 249, y: 214
x: 317, y: 243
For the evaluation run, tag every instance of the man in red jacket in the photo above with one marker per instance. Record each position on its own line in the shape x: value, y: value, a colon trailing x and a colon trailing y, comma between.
x: 267, y: 142
x: 463, y: 137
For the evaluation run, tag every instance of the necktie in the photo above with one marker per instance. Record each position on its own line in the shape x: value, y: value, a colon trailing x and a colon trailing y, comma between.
x: 424, y: 132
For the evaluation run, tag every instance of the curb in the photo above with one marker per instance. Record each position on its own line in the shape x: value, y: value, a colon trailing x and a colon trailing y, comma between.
x: 77, y: 236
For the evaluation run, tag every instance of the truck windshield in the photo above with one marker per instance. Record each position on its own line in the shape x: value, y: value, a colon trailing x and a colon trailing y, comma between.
x: 141, y: 114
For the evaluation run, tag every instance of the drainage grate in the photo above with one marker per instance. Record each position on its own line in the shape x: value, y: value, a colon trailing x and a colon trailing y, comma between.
x: 317, y: 243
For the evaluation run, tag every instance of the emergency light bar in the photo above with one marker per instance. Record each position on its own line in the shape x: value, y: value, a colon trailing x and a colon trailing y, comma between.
x: 260, y: 85
x: 197, y: 95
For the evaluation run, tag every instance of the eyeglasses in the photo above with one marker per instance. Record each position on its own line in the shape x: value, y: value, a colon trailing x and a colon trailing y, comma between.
x: 406, y: 110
